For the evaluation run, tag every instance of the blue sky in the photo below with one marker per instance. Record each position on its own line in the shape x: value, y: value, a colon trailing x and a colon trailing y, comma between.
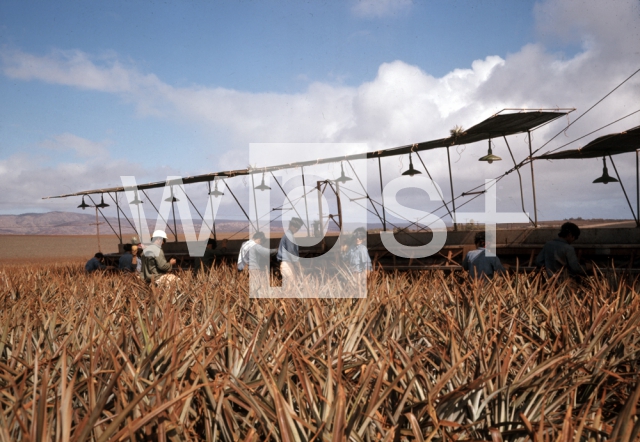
x: 94, y: 90
x: 276, y: 46
x: 255, y: 47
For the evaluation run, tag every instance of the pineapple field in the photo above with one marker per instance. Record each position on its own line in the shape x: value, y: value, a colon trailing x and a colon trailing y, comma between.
x: 426, y: 356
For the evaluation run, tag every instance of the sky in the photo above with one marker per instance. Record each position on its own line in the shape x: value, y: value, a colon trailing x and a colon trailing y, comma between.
x: 92, y: 91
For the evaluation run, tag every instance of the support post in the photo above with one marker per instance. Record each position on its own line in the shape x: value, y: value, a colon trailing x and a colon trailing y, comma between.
x: 139, y: 220
x: 173, y: 211
x: 366, y: 193
x: 289, y: 200
x: 196, y: 209
x: 306, y: 207
x: 157, y: 211
x: 517, y: 169
x: 339, y: 204
x: 122, y: 212
x: 255, y: 202
x: 239, y: 205
x: 213, y: 217
x: 453, y: 200
x: 98, y: 231
x: 103, y: 216
x: 118, y: 212
x: 444, y: 203
x: 533, y: 183
x: 635, y: 218
x: 384, y: 214
x: 319, y: 187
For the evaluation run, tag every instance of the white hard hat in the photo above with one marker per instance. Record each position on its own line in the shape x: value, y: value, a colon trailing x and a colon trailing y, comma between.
x: 159, y: 234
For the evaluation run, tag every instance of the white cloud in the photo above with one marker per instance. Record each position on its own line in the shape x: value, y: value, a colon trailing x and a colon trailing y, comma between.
x: 403, y: 104
x: 71, y: 68
x: 379, y: 8
x: 75, y: 68
x: 81, y: 146
x: 611, y: 25
x: 26, y: 178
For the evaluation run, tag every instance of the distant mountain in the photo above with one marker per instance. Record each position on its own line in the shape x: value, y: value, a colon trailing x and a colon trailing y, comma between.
x: 70, y: 223
x: 51, y: 223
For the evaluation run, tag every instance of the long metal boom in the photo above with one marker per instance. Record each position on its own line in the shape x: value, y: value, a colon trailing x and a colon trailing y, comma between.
x: 498, y: 125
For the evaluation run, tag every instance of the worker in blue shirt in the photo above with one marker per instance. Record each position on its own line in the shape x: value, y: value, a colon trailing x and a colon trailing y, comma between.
x: 478, y: 264
x: 126, y: 262
x: 559, y: 253
x: 288, y: 254
x: 356, y: 255
x: 95, y: 263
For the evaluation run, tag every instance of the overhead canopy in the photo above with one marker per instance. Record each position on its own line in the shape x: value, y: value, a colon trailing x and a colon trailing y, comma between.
x: 498, y: 125
x: 513, y: 123
x: 611, y: 144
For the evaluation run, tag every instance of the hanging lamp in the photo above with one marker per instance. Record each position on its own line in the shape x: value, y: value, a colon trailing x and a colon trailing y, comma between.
x: 490, y: 157
x: 136, y: 200
x: 343, y: 178
x: 411, y: 171
x: 262, y: 185
x: 83, y: 205
x: 215, y: 192
x: 605, y: 178
x: 172, y: 198
x: 102, y: 204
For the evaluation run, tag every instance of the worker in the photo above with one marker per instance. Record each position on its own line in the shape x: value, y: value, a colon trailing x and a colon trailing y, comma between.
x: 155, y: 267
x: 253, y: 258
x: 478, y: 264
x: 244, y: 248
x: 559, y: 253
x: 253, y: 254
x: 95, y: 263
x: 125, y: 263
x: 136, y: 251
x: 288, y: 254
x: 356, y: 254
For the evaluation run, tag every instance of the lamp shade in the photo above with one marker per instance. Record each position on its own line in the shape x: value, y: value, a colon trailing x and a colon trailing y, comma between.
x: 262, y: 186
x: 136, y: 200
x: 215, y: 192
x: 172, y: 198
x: 102, y: 204
x: 411, y: 171
x: 343, y: 178
x: 83, y: 205
x: 490, y: 157
x: 605, y: 178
